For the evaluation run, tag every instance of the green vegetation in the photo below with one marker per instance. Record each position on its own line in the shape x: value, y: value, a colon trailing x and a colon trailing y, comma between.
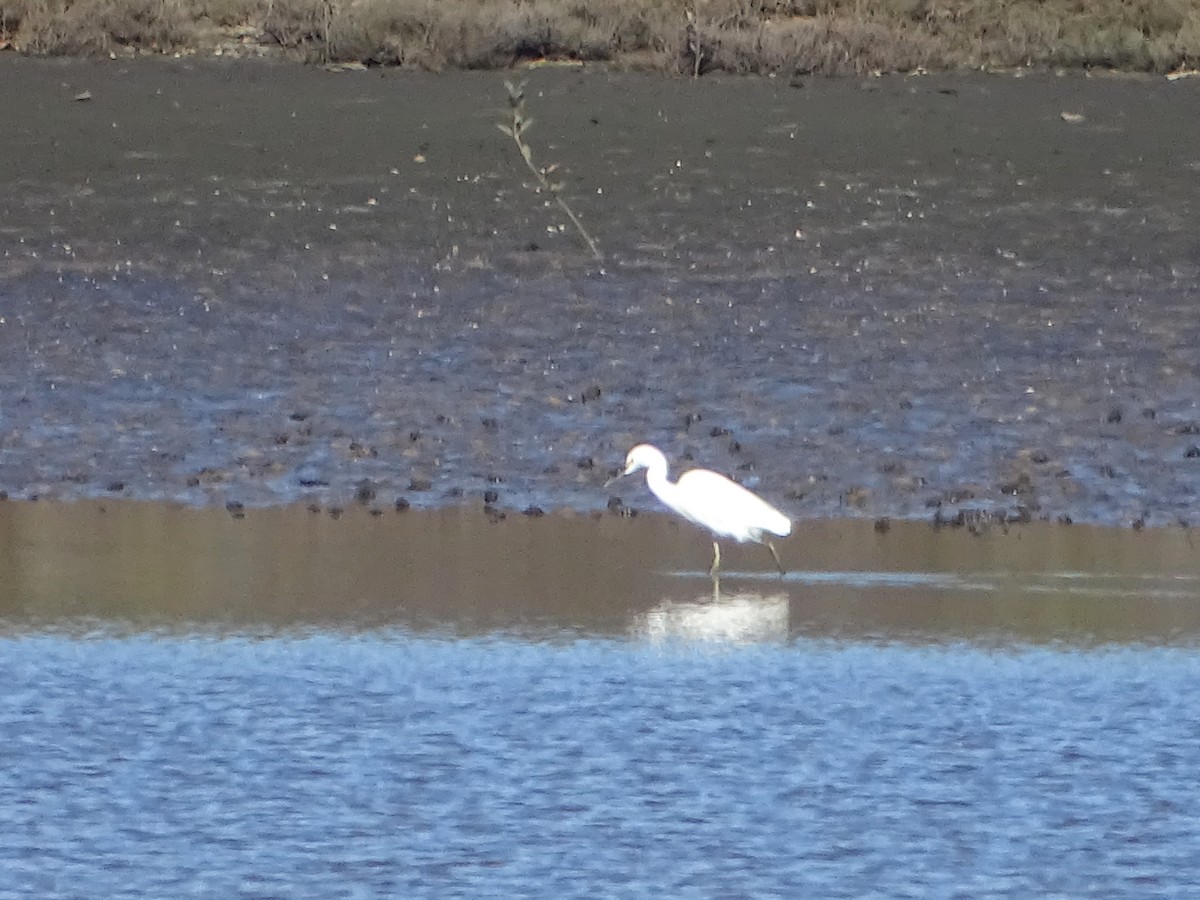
x: 678, y: 36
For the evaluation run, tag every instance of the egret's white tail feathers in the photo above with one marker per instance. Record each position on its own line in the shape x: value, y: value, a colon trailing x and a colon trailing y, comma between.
x: 781, y: 526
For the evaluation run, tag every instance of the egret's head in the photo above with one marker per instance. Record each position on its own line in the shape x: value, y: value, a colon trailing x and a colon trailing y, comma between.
x: 643, y: 456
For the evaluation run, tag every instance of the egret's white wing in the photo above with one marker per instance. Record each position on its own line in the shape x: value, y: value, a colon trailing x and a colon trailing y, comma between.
x: 726, y: 508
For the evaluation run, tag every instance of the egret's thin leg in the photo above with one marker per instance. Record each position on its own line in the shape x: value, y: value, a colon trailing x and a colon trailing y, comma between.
x: 716, y: 560
x: 775, y: 554
x: 716, y: 588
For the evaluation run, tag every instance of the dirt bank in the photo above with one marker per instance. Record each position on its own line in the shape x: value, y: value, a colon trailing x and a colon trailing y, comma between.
x: 885, y: 297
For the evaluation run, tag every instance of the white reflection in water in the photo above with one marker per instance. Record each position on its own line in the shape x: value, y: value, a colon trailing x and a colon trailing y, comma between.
x: 743, y: 617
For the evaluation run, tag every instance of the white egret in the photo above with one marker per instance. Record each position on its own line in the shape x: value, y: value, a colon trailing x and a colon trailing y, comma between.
x: 711, y: 501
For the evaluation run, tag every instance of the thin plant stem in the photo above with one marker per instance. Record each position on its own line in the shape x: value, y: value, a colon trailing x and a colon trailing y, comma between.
x: 515, y: 129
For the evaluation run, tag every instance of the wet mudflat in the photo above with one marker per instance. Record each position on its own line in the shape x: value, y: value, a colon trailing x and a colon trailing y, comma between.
x: 289, y: 703
x: 902, y: 296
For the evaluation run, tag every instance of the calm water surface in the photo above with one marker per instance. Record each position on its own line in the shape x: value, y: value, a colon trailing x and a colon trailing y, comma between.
x: 672, y: 742
x: 395, y: 765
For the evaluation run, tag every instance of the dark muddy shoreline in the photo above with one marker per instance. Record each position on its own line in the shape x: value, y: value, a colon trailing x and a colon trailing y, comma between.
x: 934, y: 297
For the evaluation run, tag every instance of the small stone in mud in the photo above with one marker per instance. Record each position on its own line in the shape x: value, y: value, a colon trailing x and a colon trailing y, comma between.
x: 1022, y: 515
x: 1040, y: 457
x: 958, y: 495
x: 533, y: 511
x: 280, y: 439
x: 858, y: 497
x: 376, y: 511
x: 313, y: 482
x: 314, y: 507
x: 490, y: 424
x: 718, y: 431
x: 883, y: 526
x: 420, y: 484
x: 454, y: 492
x: 617, y: 507
x: 976, y: 521
x: 585, y: 462
x: 1022, y: 484
x: 335, y: 512
x: 402, y: 504
x: 493, y: 478
x: 1191, y: 452
x: 690, y: 419
x: 1114, y: 416
x: 1149, y: 413
x: 735, y: 447
x: 365, y: 492
x: 116, y: 486
x: 358, y: 451
x: 491, y: 496
x: 299, y: 416
x: 1064, y: 519
x: 591, y: 392
x: 236, y: 509
x: 493, y: 514
x: 1108, y: 471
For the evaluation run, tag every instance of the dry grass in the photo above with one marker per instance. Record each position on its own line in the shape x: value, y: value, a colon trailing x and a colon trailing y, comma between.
x: 680, y: 36
x: 95, y: 26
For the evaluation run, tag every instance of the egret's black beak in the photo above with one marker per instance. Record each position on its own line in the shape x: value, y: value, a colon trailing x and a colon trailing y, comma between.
x: 615, y: 478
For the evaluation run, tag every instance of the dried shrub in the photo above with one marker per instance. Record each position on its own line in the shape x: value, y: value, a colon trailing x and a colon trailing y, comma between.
x: 825, y: 45
x: 98, y: 26
x: 300, y: 24
x: 229, y: 13
x: 685, y: 36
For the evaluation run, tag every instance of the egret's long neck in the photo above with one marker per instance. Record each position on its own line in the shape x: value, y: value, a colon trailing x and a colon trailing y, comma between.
x: 657, y: 481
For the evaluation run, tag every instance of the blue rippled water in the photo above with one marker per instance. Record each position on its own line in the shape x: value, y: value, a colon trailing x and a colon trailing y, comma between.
x: 393, y: 765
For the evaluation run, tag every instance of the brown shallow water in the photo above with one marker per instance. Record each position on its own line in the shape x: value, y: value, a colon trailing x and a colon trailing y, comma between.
x: 150, y: 566
x: 910, y: 297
